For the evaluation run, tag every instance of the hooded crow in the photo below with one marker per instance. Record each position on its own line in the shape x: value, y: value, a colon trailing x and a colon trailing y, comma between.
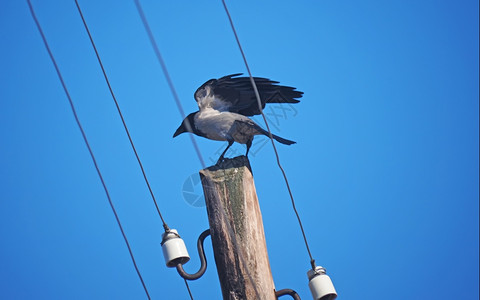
x: 225, y: 105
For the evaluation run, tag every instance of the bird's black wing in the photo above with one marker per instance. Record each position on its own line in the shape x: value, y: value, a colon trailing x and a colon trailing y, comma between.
x: 236, y: 94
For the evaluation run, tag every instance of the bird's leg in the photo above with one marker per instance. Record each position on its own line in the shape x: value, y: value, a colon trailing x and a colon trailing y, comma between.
x: 220, y: 159
x: 249, y: 144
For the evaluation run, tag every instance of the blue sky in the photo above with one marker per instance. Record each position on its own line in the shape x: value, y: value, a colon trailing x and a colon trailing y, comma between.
x: 385, y: 170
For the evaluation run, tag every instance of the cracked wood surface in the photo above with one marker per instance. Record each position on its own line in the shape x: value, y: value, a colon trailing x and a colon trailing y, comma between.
x: 237, y: 233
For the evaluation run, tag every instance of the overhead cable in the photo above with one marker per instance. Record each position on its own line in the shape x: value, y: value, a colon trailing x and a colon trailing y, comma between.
x: 257, y: 95
x: 88, y: 145
x: 165, y: 226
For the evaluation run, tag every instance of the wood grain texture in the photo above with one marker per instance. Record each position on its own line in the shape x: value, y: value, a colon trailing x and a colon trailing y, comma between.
x: 237, y: 231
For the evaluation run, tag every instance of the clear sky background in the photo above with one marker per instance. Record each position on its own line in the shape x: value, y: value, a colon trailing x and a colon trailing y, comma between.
x: 385, y: 170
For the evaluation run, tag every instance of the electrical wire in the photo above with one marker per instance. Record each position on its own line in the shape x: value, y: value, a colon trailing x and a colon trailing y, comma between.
x: 169, y: 79
x: 32, y: 11
x: 172, y: 89
x: 257, y: 95
x: 165, y: 226
x: 199, y: 155
x: 188, y: 289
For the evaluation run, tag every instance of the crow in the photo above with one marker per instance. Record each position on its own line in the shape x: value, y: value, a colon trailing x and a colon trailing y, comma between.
x: 225, y: 105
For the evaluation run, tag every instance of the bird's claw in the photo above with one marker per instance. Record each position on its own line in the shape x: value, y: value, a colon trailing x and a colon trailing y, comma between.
x: 220, y: 160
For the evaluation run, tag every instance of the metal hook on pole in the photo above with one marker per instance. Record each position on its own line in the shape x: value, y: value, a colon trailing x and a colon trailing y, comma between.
x: 203, y: 260
x: 289, y: 292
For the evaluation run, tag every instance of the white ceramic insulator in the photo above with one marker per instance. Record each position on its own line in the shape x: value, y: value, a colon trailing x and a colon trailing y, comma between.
x: 174, y: 250
x: 321, y: 285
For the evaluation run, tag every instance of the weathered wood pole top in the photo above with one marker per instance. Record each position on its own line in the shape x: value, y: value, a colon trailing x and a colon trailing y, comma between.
x: 237, y: 231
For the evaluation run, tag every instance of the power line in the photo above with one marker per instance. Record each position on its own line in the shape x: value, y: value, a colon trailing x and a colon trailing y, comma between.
x: 167, y: 76
x: 188, y: 289
x: 257, y: 95
x: 87, y: 144
x: 165, y: 226
x: 180, y: 108
x: 172, y: 89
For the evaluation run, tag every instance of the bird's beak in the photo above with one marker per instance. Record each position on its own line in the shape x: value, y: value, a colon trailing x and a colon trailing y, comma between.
x: 180, y: 130
x: 186, y: 126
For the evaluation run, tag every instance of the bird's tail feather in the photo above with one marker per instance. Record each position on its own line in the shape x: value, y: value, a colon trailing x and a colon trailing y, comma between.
x: 277, y: 138
x: 282, y: 140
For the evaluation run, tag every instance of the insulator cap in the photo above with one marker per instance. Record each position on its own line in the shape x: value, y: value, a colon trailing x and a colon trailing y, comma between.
x: 174, y: 250
x: 321, y: 285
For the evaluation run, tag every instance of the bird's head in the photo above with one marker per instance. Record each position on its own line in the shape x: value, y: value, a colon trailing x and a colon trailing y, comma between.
x: 186, y: 126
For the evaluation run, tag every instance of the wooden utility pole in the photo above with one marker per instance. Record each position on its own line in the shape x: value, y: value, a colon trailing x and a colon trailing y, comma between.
x: 237, y: 232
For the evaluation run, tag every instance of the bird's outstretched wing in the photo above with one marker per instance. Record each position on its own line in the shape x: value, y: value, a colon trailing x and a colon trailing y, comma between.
x: 236, y: 94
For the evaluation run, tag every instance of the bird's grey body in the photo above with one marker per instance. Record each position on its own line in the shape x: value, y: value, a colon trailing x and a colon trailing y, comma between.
x: 225, y: 104
x: 225, y: 126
